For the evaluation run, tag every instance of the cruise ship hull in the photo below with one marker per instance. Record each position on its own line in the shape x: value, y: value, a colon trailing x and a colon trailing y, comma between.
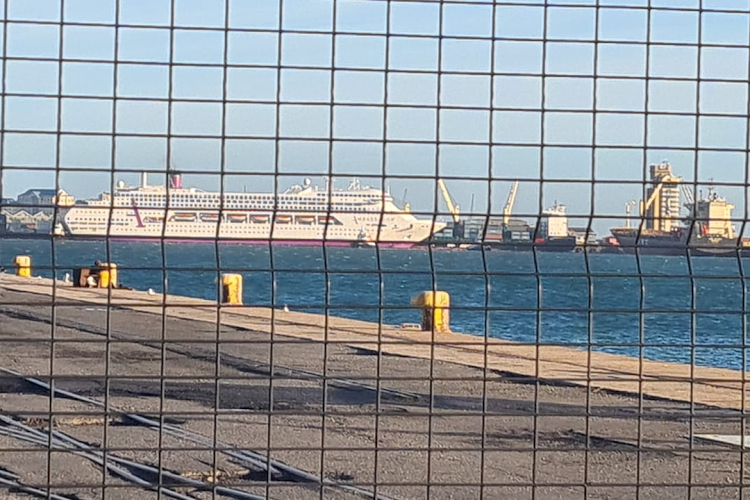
x: 340, y: 229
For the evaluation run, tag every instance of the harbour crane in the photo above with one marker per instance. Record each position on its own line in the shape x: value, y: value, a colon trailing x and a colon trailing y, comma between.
x: 689, y: 199
x: 453, y: 209
x: 645, y: 206
x: 688, y: 195
x: 508, y: 209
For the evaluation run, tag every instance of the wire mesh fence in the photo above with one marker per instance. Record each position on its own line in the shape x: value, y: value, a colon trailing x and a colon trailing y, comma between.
x: 386, y: 249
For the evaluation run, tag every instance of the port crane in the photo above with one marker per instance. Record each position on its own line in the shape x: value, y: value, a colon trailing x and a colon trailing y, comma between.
x: 688, y: 195
x: 645, y: 206
x: 689, y: 199
x: 453, y: 209
x: 508, y: 208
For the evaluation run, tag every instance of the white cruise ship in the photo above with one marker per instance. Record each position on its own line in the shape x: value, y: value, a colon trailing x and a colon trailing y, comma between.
x: 304, y: 215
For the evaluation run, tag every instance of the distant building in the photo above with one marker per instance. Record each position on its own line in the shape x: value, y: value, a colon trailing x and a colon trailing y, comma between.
x: 44, y: 200
x: 22, y: 221
x: 38, y: 200
x: 33, y: 211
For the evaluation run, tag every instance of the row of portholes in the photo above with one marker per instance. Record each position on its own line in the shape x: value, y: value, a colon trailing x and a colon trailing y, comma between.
x: 212, y: 218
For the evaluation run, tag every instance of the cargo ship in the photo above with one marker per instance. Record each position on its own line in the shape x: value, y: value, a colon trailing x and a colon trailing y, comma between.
x: 566, y: 244
x: 707, y: 231
x: 553, y: 234
x: 680, y: 241
x: 302, y: 215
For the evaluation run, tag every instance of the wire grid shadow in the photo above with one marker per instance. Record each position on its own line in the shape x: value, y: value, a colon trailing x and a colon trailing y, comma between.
x: 385, y: 249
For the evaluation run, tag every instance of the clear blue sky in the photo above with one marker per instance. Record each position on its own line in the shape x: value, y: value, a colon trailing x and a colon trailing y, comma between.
x: 516, y: 92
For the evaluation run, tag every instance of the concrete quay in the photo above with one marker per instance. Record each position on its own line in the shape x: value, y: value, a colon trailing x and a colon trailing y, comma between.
x: 446, y: 416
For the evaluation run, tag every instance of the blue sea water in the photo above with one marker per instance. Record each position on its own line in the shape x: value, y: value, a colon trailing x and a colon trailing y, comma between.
x: 663, y: 308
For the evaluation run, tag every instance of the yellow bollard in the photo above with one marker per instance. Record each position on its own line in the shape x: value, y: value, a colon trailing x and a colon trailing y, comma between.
x: 23, y: 265
x: 435, y: 310
x: 231, y: 289
x: 108, y: 275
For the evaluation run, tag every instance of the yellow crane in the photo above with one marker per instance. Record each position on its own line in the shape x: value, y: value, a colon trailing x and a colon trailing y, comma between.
x: 508, y: 209
x: 452, y: 208
x: 458, y: 226
x: 645, y: 206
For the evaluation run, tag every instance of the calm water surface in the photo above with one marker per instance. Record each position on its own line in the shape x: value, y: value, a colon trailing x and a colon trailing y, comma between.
x: 667, y: 308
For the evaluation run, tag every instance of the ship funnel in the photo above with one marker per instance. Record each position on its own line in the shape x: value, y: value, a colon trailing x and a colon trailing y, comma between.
x: 144, y: 179
x: 175, y: 181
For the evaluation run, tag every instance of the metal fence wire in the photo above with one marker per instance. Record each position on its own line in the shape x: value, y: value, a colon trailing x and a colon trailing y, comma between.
x: 380, y: 249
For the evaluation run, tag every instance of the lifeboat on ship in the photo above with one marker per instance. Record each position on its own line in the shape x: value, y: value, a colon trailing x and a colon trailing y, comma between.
x: 324, y: 219
x: 259, y: 219
x: 306, y: 219
x: 184, y: 217
x: 237, y: 218
x: 283, y: 219
x: 209, y: 217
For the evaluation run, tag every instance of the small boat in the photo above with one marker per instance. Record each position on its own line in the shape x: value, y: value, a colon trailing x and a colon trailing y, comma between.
x: 237, y: 218
x: 306, y: 219
x: 259, y: 219
x: 283, y: 219
x: 363, y: 240
x: 322, y: 219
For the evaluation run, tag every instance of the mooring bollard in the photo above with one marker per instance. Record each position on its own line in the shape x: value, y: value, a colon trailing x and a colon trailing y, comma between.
x: 23, y: 265
x: 107, y: 275
x: 435, y: 310
x: 231, y: 289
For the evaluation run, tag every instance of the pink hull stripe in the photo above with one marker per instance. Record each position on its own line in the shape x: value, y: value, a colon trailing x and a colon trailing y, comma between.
x: 295, y: 243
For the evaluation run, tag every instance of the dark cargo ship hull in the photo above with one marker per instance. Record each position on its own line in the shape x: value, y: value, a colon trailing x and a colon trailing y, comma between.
x: 677, y: 245
x: 550, y: 245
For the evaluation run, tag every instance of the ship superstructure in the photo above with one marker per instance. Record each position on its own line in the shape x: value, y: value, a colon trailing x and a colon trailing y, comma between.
x: 554, y: 222
x: 303, y: 214
x: 713, y: 216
